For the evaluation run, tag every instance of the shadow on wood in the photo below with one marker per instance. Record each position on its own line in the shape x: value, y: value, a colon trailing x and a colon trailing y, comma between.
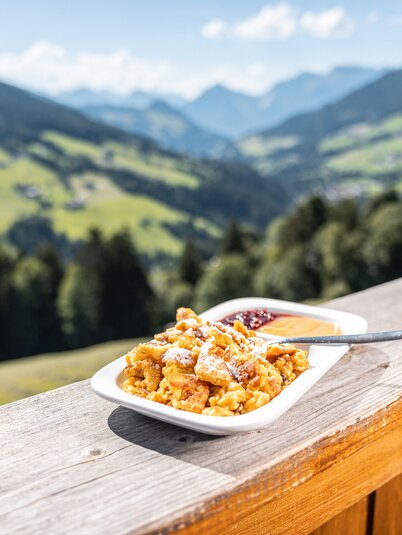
x: 162, y: 437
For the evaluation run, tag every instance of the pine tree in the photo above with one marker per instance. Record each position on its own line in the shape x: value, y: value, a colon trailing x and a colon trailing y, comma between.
x: 79, y: 306
x: 31, y: 324
x: 126, y: 296
x: 287, y: 278
x: 385, y: 197
x: 383, y: 248
x: 300, y: 226
x: 107, y: 295
x: 233, y: 240
x: 230, y: 278
x: 7, y: 264
x: 190, y: 264
x: 80, y: 296
x: 49, y: 256
x: 91, y: 253
x: 346, y: 212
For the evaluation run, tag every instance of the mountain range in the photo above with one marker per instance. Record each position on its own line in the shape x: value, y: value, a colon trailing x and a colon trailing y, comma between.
x: 166, y: 125
x: 81, y: 98
x: 348, y: 148
x: 57, y: 163
x: 234, y: 114
x: 23, y: 116
x: 221, y: 111
x: 370, y: 104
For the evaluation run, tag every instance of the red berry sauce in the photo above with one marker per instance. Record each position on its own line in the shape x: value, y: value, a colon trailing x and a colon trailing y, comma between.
x: 252, y: 319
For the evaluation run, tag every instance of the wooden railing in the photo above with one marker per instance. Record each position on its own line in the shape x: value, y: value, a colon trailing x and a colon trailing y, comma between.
x: 73, y: 463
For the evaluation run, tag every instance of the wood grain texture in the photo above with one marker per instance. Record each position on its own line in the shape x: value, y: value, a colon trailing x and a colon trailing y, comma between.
x: 388, y: 508
x: 352, y: 521
x: 314, y: 502
x: 74, y: 463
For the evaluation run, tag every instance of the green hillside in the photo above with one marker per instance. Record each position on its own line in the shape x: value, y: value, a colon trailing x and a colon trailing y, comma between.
x: 23, y: 115
x: 350, y: 148
x: 166, y: 125
x: 29, y: 376
x: 92, y: 198
x: 372, y: 103
x: 80, y: 174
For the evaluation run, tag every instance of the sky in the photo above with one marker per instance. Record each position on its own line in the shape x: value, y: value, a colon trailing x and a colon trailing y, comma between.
x: 186, y: 46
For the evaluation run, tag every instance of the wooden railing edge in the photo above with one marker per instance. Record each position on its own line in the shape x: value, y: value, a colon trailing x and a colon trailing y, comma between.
x: 257, y: 491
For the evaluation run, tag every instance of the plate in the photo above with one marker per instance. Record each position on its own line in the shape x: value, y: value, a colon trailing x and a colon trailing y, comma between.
x: 107, y: 380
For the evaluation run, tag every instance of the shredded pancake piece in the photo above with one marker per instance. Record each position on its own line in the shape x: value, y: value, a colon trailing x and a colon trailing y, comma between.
x: 211, y: 368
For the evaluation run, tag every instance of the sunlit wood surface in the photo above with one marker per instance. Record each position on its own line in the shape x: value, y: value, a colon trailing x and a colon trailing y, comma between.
x: 73, y: 463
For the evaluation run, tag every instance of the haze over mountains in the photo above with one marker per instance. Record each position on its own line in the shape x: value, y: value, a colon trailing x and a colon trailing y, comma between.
x: 347, y: 149
x: 80, y: 98
x: 234, y: 114
x: 165, y: 124
x: 205, y: 125
x: 370, y: 104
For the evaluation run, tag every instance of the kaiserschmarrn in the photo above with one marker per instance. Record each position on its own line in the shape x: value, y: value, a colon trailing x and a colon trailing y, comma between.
x: 210, y: 368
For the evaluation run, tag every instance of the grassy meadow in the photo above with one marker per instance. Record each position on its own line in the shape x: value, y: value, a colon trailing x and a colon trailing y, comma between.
x: 103, y: 203
x: 28, y: 376
x: 361, y: 159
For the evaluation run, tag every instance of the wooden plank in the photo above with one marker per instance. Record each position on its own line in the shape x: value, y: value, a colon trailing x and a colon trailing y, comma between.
x: 388, y: 508
x: 307, y: 506
x: 73, y: 463
x: 352, y: 521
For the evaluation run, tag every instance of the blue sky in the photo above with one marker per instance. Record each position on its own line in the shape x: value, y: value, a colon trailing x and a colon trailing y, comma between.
x: 185, y: 46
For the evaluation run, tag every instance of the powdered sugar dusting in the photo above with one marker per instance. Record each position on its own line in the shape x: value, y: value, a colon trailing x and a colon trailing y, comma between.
x: 204, y: 331
x: 178, y: 355
x: 205, y: 349
x: 208, y: 363
x: 191, y: 323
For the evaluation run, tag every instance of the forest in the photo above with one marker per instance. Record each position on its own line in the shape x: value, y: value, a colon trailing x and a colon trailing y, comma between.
x: 101, y: 290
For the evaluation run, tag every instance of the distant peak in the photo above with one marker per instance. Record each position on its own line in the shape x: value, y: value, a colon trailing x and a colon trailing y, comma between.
x: 138, y: 93
x: 221, y: 91
x: 160, y: 105
x: 218, y: 88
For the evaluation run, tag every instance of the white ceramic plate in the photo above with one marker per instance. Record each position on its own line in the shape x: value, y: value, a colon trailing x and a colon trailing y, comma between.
x: 106, y: 381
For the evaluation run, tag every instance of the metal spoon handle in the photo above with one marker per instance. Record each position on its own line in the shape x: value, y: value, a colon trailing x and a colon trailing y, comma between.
x: 365, y: 338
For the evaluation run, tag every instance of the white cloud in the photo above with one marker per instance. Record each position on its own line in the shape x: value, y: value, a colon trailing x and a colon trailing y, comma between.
x: 213, y: 29
x: 272, y: 22
x: 332, y: 23
x: 373, y: 17
x: 257, y: 69
x: 282, y: 21
x: 47, y: 66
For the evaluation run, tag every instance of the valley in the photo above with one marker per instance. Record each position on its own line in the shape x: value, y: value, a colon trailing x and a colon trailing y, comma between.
x: 56, y: 163
x: 352, y: 148
x: 80, y: 173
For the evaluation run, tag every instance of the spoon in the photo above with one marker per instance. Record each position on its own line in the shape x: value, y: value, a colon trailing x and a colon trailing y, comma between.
x: 365, y: 338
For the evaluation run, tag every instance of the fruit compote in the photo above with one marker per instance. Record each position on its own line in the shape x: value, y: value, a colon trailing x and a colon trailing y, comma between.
x: 283, y: 325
